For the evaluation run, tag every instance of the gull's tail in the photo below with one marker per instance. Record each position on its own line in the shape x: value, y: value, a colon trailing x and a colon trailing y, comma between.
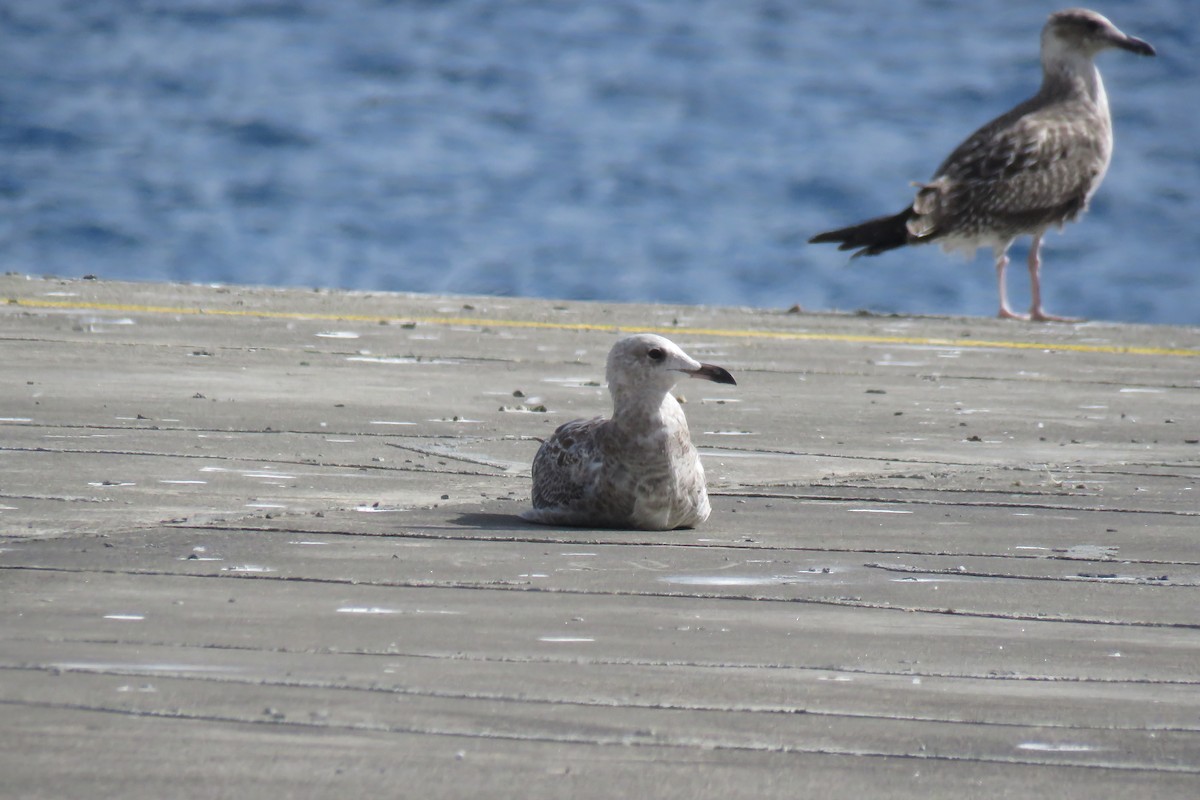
x: 872, y: 237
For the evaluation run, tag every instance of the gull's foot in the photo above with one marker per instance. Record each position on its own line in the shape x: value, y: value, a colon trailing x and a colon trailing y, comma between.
x: 1037, y: 315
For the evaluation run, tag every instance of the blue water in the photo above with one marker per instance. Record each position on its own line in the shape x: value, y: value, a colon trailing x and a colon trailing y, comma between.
x: 608, y: 149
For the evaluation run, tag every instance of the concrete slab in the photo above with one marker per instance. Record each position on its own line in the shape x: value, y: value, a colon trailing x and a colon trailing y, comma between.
x: 260, y: 541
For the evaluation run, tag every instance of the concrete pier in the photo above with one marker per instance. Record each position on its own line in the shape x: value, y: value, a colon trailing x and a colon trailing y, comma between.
x: 261, y: 542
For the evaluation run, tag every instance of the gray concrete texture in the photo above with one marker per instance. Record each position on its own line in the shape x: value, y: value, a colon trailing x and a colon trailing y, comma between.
x: 264, y: 543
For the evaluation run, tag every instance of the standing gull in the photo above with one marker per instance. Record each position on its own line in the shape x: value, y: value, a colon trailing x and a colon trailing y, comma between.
x: 638, y: 469
x: 1022, y: 173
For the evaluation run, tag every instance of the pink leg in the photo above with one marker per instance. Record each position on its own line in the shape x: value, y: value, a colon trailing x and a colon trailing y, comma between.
x: 1006, y: 312
x: 1035, y: 286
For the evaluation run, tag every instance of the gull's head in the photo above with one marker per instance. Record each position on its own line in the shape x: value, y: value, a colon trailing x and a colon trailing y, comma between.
x: 652, y: 363
x: 1079, y: 32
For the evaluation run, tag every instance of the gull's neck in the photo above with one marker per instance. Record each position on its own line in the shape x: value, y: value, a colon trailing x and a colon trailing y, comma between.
x: 1071, y: 74
x: 646, y: 405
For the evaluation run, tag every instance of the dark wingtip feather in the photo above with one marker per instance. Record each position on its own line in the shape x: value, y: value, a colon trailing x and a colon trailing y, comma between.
x: 872, y: 237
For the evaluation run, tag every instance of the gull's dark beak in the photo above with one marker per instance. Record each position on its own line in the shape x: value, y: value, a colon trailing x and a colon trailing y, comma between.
x: 1134, y: 45
x: 713, y: 373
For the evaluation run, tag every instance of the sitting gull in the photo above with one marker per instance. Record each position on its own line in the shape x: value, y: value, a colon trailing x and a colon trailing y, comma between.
x: 638, y: 469
x: 1032, y: 168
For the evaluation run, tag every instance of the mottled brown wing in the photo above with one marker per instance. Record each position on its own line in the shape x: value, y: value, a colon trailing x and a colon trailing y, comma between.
x: 564, y: 466
x: 1025, y: 168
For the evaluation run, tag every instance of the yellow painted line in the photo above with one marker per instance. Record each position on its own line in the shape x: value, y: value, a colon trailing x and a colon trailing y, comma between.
x: 611, y: 328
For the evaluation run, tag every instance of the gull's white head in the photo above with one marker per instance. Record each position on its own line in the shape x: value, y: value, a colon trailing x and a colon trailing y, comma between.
x: 646, y: 362
x: 1081, y: 33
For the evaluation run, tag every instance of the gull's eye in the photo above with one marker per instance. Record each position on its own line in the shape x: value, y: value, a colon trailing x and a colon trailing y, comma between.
x: 656, y: 354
